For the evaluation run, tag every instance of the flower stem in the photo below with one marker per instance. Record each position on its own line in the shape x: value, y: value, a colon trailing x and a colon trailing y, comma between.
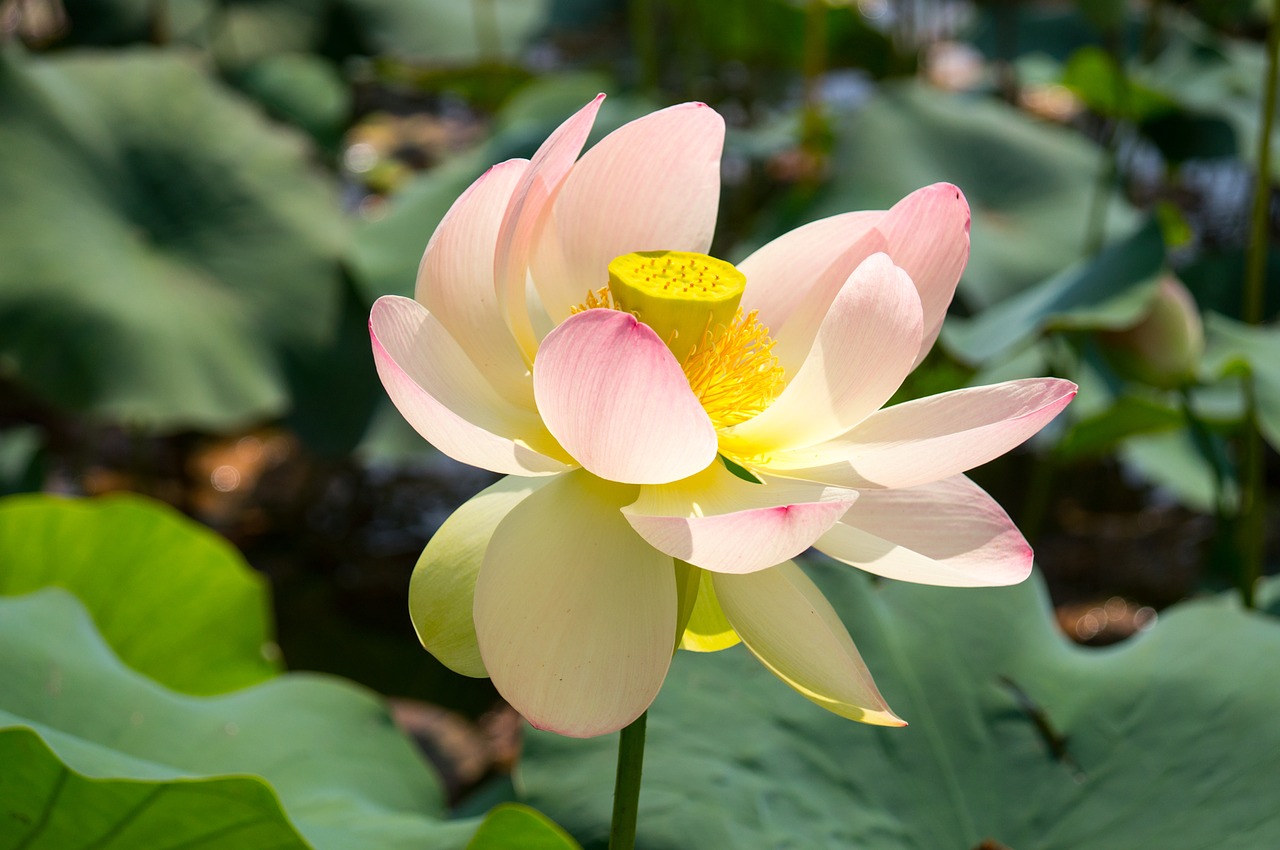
x: 626, y: 788
x: 1252, y: 478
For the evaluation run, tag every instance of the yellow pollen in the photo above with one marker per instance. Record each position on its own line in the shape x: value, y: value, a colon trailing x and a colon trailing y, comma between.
x: 735, y: 373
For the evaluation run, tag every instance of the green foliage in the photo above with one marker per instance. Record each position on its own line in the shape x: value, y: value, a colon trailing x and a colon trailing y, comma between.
x: 1110, y: 291
x: 326, y: 751
x: 1107, y: 89
x: 1015, y: 736
x: 513, y: 825
x: 1022, y: 179
x: 163, y: 263
x: 174, y: 600
x: 1252, y: 352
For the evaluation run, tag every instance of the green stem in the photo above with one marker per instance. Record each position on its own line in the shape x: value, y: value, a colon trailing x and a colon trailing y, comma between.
x: 1257, y: 261
x: 1252, y: 478
x: 644, y: 42
x: 626, y: 788
x: 813, y: 130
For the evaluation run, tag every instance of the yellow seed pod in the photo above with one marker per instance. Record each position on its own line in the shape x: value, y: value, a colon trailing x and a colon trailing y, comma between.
x: 680, y: 294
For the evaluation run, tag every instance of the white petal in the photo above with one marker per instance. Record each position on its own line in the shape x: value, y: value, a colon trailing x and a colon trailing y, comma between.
x: 456, y: 281
x: 949, y: 532
x: 790, y: 626
x: 650, y: 185
x: 928, y: 235
x: 575, y: 613
x: 864, y: 349
x: 439, y: 391
x: 442, y: 589
x: 527, y: 214
x: 930, y: 438
x: 614, y: 395
x: 720, y: 522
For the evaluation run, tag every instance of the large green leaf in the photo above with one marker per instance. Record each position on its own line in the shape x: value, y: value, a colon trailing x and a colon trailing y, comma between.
x: 1110, y: 291
x: 1016, y: 737
x: 165, y: 249
x: 174, y: 600
x: 300, y: 749
x: 1029, y: 183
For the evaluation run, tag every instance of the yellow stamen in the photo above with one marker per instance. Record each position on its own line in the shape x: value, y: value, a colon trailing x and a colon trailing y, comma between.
x: 735, y: 374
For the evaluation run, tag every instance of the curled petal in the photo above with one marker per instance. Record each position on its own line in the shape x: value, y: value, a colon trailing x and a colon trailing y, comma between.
x: 864, y: 349
x: 439, y: 391
x: 719, y: 522
x: 790, y: 626
x: 526, y: 216
x: 442, y: 589
x: 614, y: 395
x: 650, y: 185
x: 456, y: 280
x: 930, y: 438
x: 574, y: 613
x: 927, y: 233
x: 949, y: 532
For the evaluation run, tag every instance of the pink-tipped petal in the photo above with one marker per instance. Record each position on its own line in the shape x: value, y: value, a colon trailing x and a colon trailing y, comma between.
x: 930, y: 438
x: 526, y: 216
x: 439, y: 391
x: 864, y: 349
x: 720, y: 522
x: 456, y: 280
x: 614, y: 395
x: 928, y: 236
x: 574, y: 613
x: 650, y: 185
x: 790, y: 626
x: 948, y: 533
x: 442, y: 589
x: 792, y: 280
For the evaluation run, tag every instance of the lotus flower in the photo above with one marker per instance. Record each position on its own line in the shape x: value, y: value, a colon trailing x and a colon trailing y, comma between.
x: 675, y: 429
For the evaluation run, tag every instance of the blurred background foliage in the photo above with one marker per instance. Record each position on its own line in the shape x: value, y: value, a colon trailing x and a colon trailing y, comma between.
x: 204, y: 197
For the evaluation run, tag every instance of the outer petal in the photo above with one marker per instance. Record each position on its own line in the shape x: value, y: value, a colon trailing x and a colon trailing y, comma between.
x: 719, y: 522
x: 930, y: 438
x: 947, y: 533
x: 790, y: 626
x: 527, y: 213
x: 437, y: 388
x: 442, y: 590
x: 614, y: 395
x: 928, y: 236
x: 456, y: 280
x: 575, y: 613
x: 866, y: 346
x: 651, y: 185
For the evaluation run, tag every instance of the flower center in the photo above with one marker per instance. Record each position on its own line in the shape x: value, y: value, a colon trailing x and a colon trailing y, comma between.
x: 691, y: 302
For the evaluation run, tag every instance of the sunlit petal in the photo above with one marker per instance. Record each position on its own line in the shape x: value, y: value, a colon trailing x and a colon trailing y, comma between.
x: 948, y: 532
x: 928, y: 235
x: 708, y: 629
x: 456, y: 281
x: 650, y: 185
x: 930, y: 438
x: 442, y: 589
x: 439, y: 391
x: 526, y: 216
x: 720, y: 522
x: 864, y: 349
x: 574, y: 613
x: 792, y: 280
x: 790, y: 626
x: 613, y: 394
